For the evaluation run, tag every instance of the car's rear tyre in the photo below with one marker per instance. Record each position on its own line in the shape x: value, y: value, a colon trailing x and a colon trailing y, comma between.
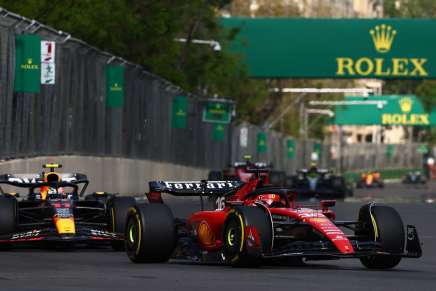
x: 277, y: 178
x: 150, y: 233
x: 118, y: 208
x: 239, y: 249
x: 8, y: 217
x: 215, y: 176
x: 384, y: 225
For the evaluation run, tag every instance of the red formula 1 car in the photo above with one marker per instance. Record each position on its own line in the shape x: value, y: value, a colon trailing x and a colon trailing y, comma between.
x: 258, y: 224
x: 53, y: 211
x: 242, y: 171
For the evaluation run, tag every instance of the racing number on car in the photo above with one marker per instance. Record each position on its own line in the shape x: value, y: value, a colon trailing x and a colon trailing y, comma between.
x: 220, y: 203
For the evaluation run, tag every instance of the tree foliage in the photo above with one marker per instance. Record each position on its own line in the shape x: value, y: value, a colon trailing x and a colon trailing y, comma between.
x: 144, y: 32
x: 424, y: 89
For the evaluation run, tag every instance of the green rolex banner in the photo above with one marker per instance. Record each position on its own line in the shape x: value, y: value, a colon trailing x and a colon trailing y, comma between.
x: 291, y: 148
x: 180, y: 111
x: 261, y: 142
x: 27, y: 63
x: 218, y: 131
x: 114, y: 86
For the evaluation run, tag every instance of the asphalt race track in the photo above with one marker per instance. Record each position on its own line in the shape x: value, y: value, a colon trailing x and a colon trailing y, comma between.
x: 106, y: 270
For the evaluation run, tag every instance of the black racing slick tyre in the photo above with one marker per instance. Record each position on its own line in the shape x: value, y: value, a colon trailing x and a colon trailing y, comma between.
x: 8, y: 215
x: 384, y: 225
x: 240, y: 243
x: 8, y: 218
x: 118, y: 209
x: 150, y: 234
x: 215, y: 176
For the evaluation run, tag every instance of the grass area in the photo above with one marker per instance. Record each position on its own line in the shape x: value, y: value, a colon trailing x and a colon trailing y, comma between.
x: 385, y: 174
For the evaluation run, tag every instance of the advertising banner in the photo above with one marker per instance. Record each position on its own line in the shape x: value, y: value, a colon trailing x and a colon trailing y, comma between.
x: 27, y: 63
x: 261, y: 142
x: 180, y: 111
x: 396, y: 110
x: 114, y: 86
x: 48, y: 66
x: 335, y: 48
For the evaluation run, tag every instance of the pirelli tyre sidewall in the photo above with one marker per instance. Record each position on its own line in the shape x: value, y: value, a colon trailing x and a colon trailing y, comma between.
x: 150, y: 235
x: 8, y: 214
x: 382, y: 224
x: 8, y: 217
x: 118, y: 208
x: 236, y: 249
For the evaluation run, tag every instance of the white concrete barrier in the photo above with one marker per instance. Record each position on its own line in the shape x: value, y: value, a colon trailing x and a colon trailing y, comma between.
x: 116, y: 175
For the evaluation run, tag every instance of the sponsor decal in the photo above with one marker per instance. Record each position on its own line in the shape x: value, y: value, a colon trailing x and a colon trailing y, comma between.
x: 406, y: 106
x: 63, y: 212
x: 102, y: 233
x: 48, y: 66
x: 33, y: 180
x: 199, y: 185
x: 320, y: 220
x: 383, y: 37
x: 25, y: 235
x: 338, y: 238
x: 29, y: 65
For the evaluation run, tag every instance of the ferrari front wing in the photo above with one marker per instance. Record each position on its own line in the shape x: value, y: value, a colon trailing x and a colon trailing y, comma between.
x: 315, y: 250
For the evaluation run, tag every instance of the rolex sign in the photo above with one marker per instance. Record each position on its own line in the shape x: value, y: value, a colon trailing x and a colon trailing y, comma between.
x: 336, y: 48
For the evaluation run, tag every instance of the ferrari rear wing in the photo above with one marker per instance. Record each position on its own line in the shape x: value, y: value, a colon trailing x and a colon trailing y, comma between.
x: 194, y: 188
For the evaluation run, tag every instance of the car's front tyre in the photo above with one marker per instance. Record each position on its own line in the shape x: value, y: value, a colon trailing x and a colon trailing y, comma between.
x: 382, y: 224
x: 245, y: 225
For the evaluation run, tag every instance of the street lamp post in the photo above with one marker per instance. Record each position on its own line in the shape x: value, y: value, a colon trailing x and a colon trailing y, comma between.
x: 215, y: 45
x: 378, y: 103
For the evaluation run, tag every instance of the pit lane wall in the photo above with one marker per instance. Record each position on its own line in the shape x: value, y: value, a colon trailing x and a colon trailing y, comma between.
x: 115, y: 175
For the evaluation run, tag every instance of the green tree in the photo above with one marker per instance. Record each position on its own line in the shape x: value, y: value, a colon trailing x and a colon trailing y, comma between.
x: 144, y: 32
x: 424, y: 89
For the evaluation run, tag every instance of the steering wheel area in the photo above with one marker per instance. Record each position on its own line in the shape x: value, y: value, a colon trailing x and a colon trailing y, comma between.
x: 273, y: 198
x: 54, y: 190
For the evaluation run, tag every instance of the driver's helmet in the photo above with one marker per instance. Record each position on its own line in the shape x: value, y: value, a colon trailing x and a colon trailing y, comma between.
x: 51, y: 177
x: 270, y: 199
